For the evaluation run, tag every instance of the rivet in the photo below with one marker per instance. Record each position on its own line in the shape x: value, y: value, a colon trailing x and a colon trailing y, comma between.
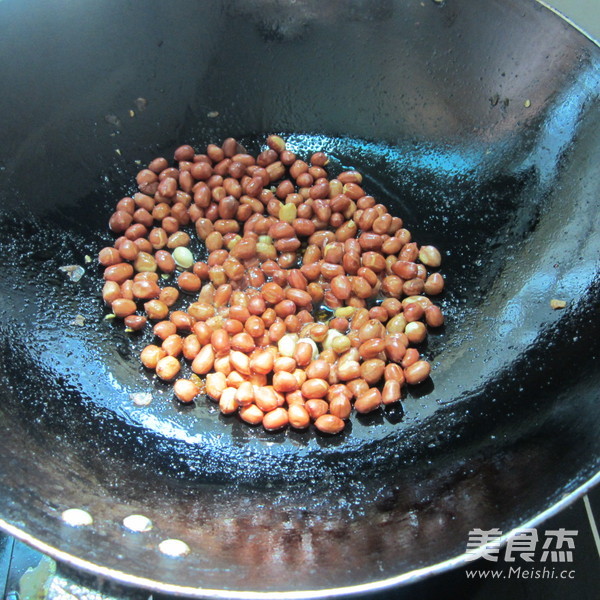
x: 137, y: 523
x: 174, y: 548
x: 76, y: 517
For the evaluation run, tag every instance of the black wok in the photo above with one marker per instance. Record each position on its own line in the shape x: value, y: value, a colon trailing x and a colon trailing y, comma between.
x: 477, y: 122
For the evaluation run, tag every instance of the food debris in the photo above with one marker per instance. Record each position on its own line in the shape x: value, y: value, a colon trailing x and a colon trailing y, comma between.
x: 88, y: 259
x: 112, y: 120
x: 74, y: 272
x: 132, y: 113
x: 35, y: 582
x: 199, y: 382
x: 118, y: 151
x: 527, y: 103
x: 79, y: 320
x: 141, y: 104
x: 212, y: 114
x: 110, y: 317
x: 141, y: 398
x: 557, y: 304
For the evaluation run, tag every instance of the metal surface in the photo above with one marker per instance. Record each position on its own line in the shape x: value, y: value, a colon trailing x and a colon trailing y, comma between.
x: 475, y: 122
x: 73, y: 584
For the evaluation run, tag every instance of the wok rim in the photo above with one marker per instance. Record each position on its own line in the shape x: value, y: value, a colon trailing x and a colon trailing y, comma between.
x: 413, y: 576
x: 569, y: 21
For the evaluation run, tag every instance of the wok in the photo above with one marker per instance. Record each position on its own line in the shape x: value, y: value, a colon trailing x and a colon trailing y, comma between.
x: 477, y: 122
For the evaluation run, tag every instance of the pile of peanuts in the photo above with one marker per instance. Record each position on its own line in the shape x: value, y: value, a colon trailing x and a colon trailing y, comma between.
x: 309, y: 305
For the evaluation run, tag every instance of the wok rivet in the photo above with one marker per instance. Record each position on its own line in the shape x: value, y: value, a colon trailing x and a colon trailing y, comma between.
x: 174, y: 548
x: 137, y: 523
x: 76, y: 517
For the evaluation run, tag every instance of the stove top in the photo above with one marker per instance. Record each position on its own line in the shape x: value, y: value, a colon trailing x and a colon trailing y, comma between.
x: 561, y: 574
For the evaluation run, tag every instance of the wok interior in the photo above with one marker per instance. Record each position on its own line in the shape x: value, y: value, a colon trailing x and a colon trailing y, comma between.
x: 432, y: 110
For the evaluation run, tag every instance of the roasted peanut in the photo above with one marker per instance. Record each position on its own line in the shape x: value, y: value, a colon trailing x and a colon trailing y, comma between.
x: 266, y: 398
x: 368, y: 401
x: 109, y: 256
x: 156, y: 310
x: 215, y: 384
x: 340, y: 407
x: 173, y: 345
x: 417, y: 372
x: 275, y: 419
x: 111, y: 291
x: 119, y: 273
x: 150, y: 356
x: 314, y: 388
x: 298, y: 416
x: 185, y: 390
x: 251, y: 414
x: 167, y: 368
x: 434, y: 316
x: 204, y: 361
x: 416, y: 332
x: 391, y: 392
x: 135, y: 322
x: 283, y: 239
x: 430, y: 256
x: 434, y: 284
x: 329, y: 424
x: 284, y: 382
x: 372, y: 370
